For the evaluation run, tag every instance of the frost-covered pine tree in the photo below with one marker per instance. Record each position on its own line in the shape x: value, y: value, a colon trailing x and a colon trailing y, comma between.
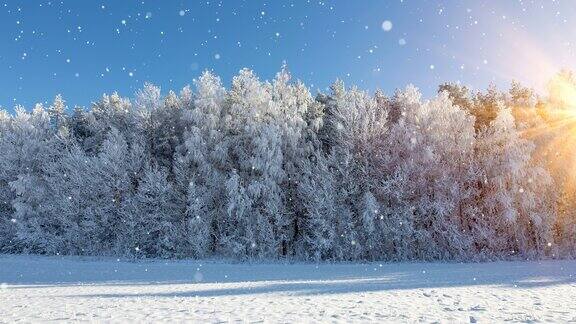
x: 294, y: 107
x: 82, y: 128
x: 400, y: 238
x: 151, y: 220
x: 88, y: 195
x: 161, y: 120
x: 515, y: 215
x: 317, y: 193
x: 486, y: 106
x: 27, y: 148
x: 447, y: 173
x: 71, y: 202
x: 427, y: 170
x: 58, y: 117
x: 256, y: 157
x: 459, y: 95
x: 200, y: 167
x: 114, y: 112
x: 352, y: 122
x: 120, y: 167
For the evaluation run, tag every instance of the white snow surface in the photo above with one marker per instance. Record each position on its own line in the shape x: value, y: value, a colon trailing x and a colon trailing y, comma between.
x: 40, y: 289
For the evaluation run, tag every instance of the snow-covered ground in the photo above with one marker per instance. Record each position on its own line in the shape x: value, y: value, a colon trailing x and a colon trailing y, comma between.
x: 40, y: 289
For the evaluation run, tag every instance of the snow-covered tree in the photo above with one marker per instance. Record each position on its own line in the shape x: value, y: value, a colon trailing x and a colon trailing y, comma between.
x: 486, y: 106
x: 115, y: 112
x: 256, y: 157
x: 58, y: 116
x: 296, y: 120
x: 88, y: 195
x: 151, y: 220
x: 200, y: 166
x: 317, y: 190
x: 425, y: 174
x: 161, y: 121
x: 353, y: 121
x: 514, y: 200
x: 82, y: 127
x: 27, y: 148
x: 458, y: 93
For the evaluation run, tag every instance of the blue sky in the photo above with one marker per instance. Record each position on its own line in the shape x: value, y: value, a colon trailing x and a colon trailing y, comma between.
x: 83, y: 49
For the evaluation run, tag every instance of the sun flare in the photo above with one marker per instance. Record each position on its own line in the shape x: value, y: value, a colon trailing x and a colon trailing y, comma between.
x: 555, y: 137
x: 562, y: 94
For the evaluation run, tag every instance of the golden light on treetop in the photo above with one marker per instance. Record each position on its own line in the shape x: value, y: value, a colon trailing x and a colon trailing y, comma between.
x: 555, y: 136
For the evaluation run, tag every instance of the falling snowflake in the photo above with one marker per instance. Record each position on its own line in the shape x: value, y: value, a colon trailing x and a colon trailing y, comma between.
x: 387, y: 25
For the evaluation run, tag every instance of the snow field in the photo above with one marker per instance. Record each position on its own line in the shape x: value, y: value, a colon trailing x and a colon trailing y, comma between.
x: 40, y: 289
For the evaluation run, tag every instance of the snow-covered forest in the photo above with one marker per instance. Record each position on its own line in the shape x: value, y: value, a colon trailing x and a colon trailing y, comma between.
x: 268, y: 170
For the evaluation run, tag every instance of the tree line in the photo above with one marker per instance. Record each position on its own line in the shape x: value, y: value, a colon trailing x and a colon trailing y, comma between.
x: 266, y: 170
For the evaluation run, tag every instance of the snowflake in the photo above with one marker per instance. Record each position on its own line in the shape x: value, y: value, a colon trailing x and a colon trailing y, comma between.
x: 387, y: 25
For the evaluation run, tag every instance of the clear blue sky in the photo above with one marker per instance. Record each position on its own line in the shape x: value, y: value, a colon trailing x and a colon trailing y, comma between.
x: 83, y: 49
